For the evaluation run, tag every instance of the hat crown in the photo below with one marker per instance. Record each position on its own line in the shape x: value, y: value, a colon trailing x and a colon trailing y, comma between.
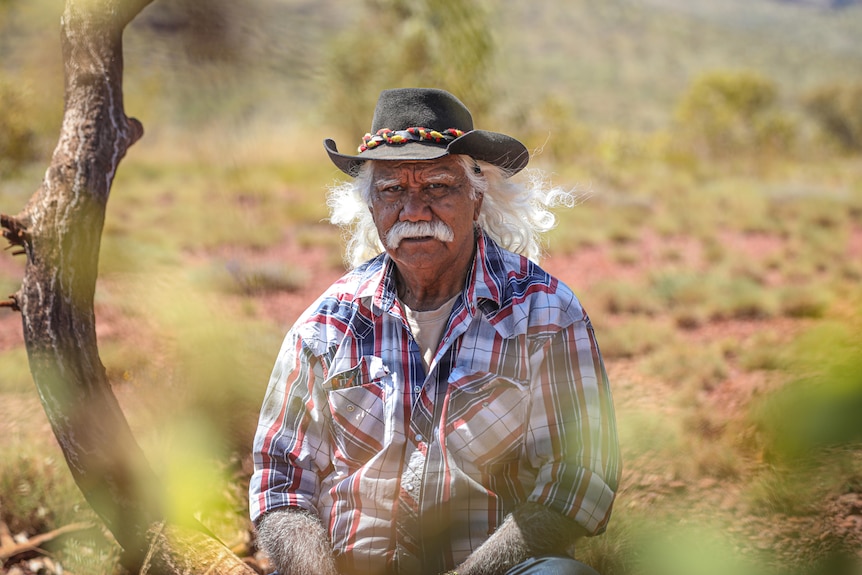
x: 404, y: 108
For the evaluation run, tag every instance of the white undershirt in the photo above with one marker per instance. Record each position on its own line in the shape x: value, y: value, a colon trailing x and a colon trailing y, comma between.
x: 428, y: 326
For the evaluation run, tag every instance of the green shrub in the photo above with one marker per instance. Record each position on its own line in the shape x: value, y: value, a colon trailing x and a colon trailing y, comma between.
x: 681, y: 288
x: 446, y: 43
x: 15, y: 371
x: 623, y: 297
x: 725, y: 114
x: 626, y: 255
x: 766, y: 351
x: 802, y: 486
x: 17, y: 139
x: 37, y: 492
x: 239, y: 277
x: 636, y: 336
x: 257, y: 279
x: 551, y: 127
x: 804, y: 301
x: 651, y: 434
x: 574, y: 232
x: 821, y: 406
x: 716, y: 459
x: 615, y: 552
x: 745, y: 298
x: 689, y: 369
x: 837, y: 110
x: 783, y: 493
x: 690, y: 297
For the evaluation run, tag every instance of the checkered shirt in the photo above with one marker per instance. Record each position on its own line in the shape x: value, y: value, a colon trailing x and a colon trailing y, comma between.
x: 515, y: 407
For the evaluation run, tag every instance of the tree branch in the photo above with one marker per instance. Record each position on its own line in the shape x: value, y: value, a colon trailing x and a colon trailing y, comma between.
x: 10, y: 549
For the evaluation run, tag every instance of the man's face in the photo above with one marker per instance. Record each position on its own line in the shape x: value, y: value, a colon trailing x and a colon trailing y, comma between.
x: 424, y: 213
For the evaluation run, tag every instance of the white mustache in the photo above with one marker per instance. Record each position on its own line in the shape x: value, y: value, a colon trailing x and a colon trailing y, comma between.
x: 402, y: 230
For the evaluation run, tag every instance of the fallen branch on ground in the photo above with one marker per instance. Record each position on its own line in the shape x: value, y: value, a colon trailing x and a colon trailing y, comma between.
x: 9, y: 548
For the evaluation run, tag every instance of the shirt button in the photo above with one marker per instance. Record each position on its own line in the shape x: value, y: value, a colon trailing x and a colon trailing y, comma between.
x: 418, y: 437
x: 409, y: 487
x: 350, y: 408
x: 417, y: 388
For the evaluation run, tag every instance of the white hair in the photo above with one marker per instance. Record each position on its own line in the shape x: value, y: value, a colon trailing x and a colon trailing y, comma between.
x: 515, y: 215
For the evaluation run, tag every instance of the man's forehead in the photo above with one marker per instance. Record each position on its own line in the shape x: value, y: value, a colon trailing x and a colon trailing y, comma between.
x: 442, y: 166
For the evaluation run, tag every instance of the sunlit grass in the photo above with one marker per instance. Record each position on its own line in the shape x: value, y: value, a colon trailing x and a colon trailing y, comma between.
x: 689, y: 370
x: 636, y: 336
x: 624, y: 297
x: 37, y: 492
x: 15, y: 371
x: 767, y: 350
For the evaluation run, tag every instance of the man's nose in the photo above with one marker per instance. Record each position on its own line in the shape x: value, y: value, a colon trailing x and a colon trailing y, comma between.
x: 415, y: 206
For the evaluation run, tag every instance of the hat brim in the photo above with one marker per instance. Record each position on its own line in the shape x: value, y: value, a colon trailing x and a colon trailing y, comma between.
x: 492, y: 147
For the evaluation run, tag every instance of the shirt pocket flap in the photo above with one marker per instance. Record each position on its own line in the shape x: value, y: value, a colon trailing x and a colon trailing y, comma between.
x: 368, y: 370
x: 357, y: 399
x: 468, y: 381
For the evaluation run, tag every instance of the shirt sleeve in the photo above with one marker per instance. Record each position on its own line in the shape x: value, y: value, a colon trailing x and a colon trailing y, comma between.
x: 572, y: 437
x: 290, y: 454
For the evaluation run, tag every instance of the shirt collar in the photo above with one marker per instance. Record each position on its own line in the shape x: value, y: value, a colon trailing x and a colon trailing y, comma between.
x: 483, y: 283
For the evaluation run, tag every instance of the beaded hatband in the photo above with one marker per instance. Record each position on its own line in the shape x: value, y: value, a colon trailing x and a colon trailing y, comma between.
x: 387, y: 136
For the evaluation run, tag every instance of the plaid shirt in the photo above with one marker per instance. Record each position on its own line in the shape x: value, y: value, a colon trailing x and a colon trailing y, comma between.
x: 515, y: 407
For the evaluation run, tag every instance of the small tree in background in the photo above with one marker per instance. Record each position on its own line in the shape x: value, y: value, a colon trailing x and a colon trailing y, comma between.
x: 550, y: 126
x: 398, y: 43
x: 725, y: 114
x: 837, y: 109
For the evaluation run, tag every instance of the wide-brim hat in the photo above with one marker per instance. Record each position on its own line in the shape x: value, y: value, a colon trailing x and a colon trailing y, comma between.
x: 424, y: 124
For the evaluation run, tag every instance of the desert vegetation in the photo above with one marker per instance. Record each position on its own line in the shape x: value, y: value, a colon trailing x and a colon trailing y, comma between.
x: 717, y: 244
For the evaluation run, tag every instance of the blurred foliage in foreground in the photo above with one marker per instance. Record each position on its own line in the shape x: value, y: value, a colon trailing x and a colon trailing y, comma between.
x: 820, y: 407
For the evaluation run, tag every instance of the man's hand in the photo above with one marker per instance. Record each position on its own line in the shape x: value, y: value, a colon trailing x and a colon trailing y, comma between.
x: 296, y: 542
x: 531, y: 530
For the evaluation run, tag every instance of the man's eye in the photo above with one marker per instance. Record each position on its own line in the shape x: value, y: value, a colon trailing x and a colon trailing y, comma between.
x: 438, y: 189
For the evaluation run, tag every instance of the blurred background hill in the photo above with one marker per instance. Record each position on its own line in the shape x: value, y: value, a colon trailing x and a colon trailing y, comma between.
x: 714, y: 147
x: 619, y: 63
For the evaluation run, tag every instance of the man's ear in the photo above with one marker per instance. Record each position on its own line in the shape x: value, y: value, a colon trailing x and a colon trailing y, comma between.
x: 477, y: 206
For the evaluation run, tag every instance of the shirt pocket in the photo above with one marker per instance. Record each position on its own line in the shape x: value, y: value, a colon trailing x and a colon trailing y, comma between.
x: 357, y: 399
x: 486, y: 417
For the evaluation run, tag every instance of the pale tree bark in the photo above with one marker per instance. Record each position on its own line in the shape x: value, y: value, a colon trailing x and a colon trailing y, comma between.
x: 59, y: 231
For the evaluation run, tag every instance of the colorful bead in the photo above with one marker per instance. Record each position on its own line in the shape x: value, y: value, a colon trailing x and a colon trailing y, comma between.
x: 413, y: 134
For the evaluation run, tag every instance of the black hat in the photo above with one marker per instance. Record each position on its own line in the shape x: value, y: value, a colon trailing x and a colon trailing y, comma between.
x: 424, y: 124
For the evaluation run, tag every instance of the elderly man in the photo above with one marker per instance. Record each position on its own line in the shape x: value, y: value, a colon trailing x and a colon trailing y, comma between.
x: 443, y: 406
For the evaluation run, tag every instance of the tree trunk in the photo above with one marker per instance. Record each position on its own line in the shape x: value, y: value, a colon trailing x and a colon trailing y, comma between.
x: 60, y: 231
